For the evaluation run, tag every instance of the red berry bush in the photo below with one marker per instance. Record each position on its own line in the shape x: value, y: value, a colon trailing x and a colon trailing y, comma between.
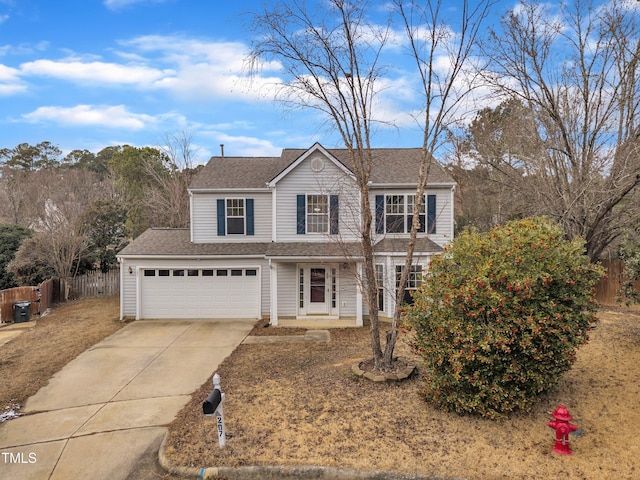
x: 500, y: 316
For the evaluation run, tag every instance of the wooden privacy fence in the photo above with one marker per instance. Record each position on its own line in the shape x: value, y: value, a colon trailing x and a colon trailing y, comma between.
x: 608, y: 288
x: 41, y: 297
x: 97, y: 284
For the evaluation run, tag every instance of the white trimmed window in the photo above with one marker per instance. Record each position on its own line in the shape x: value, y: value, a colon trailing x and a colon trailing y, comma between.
x: 235, y: 214
x: 394, y: 213
x: 380, y: 284
x: 414, y: 280
x: 317, y: 214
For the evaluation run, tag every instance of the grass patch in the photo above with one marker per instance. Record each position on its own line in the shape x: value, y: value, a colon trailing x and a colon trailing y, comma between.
x: 300, y: 404
x: 28, y: 361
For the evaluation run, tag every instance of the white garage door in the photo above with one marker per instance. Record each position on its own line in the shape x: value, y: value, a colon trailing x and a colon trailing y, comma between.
x: 200, y: 293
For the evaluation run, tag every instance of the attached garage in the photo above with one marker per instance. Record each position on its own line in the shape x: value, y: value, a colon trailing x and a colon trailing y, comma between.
x: 199, y: 292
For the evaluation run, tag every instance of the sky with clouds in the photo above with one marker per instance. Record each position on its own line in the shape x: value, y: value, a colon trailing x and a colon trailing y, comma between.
x: 86, y: 74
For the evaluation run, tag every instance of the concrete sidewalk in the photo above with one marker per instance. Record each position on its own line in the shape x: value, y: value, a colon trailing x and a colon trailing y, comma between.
x: 103, y: 411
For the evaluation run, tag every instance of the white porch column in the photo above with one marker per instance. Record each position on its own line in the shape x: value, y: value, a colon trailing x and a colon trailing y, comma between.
x: 359, y: 321
x: 390, y: 287
x: 273, y: 293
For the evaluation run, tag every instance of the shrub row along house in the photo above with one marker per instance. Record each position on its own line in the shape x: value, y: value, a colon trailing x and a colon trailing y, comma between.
x: 278, y: 237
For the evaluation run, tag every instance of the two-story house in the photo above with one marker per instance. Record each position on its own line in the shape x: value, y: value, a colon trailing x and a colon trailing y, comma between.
x: 278, y: 237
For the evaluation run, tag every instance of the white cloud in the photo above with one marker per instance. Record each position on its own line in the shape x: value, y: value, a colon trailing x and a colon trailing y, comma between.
x: 11, y: 88
x: 10, y: 83
x: 240, y: 145
x: 117, y: 4
x: 4, y: 18
x: 22, y: 49
x: 96, y: 72
x: 89, y: 115
x: 206, y: 69
x: 190, y: 68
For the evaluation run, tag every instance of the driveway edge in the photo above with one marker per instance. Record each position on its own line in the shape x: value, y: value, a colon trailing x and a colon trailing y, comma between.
x: 282, y: 472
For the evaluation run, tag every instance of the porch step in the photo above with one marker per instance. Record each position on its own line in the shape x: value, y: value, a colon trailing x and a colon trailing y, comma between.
x: 309, y: 336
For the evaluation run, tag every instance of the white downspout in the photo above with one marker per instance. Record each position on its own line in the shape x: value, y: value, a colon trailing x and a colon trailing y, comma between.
x: 273, y: 293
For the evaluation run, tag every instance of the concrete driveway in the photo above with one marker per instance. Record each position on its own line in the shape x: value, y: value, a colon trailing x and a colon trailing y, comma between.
x: 103, y: 411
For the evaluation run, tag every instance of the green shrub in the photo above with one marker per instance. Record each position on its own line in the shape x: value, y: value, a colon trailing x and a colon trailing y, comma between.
x: 500, y: 316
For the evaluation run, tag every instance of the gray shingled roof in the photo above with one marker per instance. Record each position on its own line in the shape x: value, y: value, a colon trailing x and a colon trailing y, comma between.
x: 313, y: 249
x: 238, y: 172
x: 177, y: 242
x: 390, y: 166
x: 423, y: 245
x: 173, y: 242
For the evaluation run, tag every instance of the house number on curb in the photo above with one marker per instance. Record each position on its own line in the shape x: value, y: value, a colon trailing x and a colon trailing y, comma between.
x: 213, y: 406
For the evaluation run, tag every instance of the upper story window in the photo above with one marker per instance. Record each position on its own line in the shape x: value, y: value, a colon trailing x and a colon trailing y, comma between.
x: 235, y: 216
x: 394, y: 213
x: 317, y: 213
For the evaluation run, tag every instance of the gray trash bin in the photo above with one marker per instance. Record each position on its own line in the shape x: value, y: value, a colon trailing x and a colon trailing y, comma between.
x: 21, y: 312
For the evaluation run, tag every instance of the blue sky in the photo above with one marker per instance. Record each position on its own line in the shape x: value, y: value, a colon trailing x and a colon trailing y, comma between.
x: 86, y: 74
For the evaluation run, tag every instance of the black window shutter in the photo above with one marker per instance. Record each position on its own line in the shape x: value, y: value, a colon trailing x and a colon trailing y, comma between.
x: 379, y: 213
x: 249, y: 214
x: 334, y: 214
x: 221, y: 217
x: 431, y: 214
x: 301, y: 214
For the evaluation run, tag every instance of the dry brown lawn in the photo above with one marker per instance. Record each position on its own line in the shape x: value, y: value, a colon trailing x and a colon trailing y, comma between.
x: 28, y: 361
x: 299, y: 404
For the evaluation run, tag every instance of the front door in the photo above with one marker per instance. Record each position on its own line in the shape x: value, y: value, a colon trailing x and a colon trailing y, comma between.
x: 318, y: 291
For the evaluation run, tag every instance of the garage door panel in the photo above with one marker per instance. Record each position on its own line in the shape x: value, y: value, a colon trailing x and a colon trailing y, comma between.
x: 209, y: 295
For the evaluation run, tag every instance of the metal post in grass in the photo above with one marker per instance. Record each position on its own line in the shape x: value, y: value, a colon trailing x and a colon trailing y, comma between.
x: 213, y: 406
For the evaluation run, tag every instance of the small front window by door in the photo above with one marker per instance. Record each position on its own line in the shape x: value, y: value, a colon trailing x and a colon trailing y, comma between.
x: 380, y: 285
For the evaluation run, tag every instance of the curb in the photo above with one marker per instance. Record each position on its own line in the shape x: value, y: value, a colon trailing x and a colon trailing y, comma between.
x: 283, y: 472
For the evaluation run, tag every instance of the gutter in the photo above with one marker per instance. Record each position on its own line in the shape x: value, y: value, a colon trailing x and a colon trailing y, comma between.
x: 412, y: 185
x: 187, y: 257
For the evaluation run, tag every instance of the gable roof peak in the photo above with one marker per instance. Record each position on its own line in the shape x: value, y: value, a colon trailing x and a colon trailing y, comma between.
x: 316, y: 147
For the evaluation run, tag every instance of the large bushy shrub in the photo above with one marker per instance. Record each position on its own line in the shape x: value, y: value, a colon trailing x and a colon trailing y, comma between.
x: 500, y: 316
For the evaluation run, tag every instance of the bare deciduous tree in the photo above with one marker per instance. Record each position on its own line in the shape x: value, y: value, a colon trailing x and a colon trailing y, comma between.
x: 331, y: 56
x: 575, y: 70
x: 168, y: 199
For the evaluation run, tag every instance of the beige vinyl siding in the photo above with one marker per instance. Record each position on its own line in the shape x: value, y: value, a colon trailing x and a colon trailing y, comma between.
x: 205, y: 220
x: 130, y: 280
x: 330, y: 181
x: 128, y: 290
x: 347, y: 291
x: 444, y: 214
x: 287, y: 289
x: 203, y: 217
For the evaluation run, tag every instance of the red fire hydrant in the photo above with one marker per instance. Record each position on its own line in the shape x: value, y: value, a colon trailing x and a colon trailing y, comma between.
x: 561, y: 425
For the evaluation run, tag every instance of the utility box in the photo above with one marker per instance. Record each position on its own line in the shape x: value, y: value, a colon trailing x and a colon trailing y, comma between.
x: 21, y: 312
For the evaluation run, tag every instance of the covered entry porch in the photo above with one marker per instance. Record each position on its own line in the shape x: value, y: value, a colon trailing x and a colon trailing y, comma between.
x: 318, y: 289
